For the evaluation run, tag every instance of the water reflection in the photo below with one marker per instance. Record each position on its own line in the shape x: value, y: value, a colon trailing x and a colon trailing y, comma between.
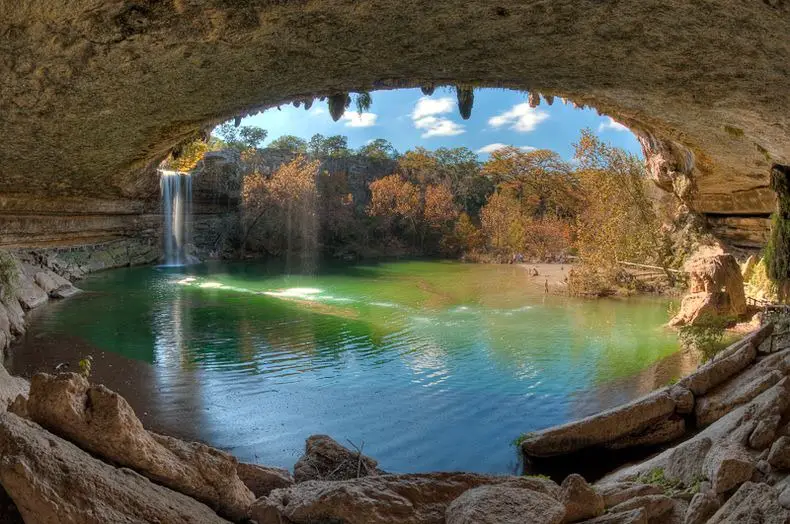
x: 433, y: 365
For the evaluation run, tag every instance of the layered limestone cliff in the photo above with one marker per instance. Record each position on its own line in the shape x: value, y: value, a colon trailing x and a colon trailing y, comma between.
x: 94, y: 94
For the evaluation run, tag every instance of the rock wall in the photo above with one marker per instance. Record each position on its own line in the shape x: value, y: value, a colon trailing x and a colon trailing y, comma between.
x: 94, y: 95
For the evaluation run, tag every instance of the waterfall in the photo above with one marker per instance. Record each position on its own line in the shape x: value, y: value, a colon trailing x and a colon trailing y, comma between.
x: 177, y: 212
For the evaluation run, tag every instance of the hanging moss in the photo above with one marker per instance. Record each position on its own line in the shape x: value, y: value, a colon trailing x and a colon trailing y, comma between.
x: 466, y: 99
x: 777, y: 252
x: 337, y: 105
x: 428, y: 90
x: 364, y: 101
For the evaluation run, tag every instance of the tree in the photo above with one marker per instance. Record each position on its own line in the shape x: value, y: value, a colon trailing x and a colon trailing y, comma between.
x: 241, y: 138
x: 397, y: 203
x: 502, y: 224
x: 379, y: 149
x: 335, y: 146
x: 188, y: 156
x: 464, y: 239
x: 291, y: 143
x: 617, y: 222
x: 280, y: 212
x: 539, y: 179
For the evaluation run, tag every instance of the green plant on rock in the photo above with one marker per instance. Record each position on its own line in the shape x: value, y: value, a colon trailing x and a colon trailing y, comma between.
x: 777, y: 252
x: 8, y: 275
x: 521, y: 438
x: 706, y: 337
x: 363, y: 102
x: 86, y: 365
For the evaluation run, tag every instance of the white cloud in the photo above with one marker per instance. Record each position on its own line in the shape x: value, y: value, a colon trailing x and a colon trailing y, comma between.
x: 611, y: 124
x: 434, y: 126
x: 520, y: 117
x: 316, y: 111
x: 432, y: 106
x: 424, y: 117
x: 354, y: 119
x: 490, y: 148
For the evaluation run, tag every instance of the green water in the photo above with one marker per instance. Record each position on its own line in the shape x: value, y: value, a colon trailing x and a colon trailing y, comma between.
x: 433, y: 365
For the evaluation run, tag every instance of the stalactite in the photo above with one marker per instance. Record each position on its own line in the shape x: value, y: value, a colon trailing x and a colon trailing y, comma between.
x: 466, y: 99
x: 428, y: 90
x: 549, y: 99
x: 533, y: 99
x: 236, y: 121
x: 308, y: 103
x: 297, y: 103
x: 337, y: 105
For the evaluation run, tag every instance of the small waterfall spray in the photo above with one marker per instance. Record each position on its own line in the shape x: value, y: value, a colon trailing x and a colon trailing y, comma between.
x: 177, y: 212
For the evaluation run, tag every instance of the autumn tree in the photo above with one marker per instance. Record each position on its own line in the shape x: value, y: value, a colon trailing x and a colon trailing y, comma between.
x: 280, y: 212
x: 617, y: 222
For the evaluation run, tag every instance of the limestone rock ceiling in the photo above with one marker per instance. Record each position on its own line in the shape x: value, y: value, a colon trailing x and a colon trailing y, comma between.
x: 95, y: 92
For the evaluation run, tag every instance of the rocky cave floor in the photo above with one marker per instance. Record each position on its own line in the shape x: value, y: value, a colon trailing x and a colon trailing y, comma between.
x: 73, y: 452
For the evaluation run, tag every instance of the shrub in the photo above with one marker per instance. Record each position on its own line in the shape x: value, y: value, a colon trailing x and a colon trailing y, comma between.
x: 8, y: 275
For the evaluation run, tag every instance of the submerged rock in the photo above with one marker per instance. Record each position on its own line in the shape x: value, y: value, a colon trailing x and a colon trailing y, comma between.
x: 326, y: 459
x: 102, y: 422
x: 52, y: 480
x: 504, y: 505
x: 384, y: 499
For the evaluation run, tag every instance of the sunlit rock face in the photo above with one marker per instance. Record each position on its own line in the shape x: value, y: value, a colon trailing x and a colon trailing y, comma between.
x: 94, y: 93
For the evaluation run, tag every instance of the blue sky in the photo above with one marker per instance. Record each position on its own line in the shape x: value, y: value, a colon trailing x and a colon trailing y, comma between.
x: 408, y: 119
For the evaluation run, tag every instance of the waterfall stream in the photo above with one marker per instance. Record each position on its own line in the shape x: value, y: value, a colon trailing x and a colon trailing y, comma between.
x: 177, y: 212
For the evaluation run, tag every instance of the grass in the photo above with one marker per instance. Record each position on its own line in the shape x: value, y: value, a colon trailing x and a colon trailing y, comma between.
x: 8, y: 275
x: 657, y: 477
x: 521, y: 438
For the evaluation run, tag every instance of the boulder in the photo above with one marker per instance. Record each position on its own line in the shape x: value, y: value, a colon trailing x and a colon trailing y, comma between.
x: 765, y: 432
x: 608, y: 426
x: 381, y: 499
x: 54, y: 285
x: 752, y: 503
x: 715, y: 287
x: 64, y: 291
x: 665, y: 430
x: 102, y: 422
x: 325, y: 459
x: 634, y: 516
x: 30, y: 296
x: 784, y: 498
x: 16, y: 315
x: 684, y: 399
x: 261, y: 480
x: 581, y: 501
x: 618, y: 492
x: 52, y: 480
x: 741, y: 388
x: 716, y: 372
x: 779, y: 456
x: 10, y: 388
x: 504, y: 505
x: 654, y: 506
x: 702, y: 506
x: 727, y: 466
x: 685, y: 460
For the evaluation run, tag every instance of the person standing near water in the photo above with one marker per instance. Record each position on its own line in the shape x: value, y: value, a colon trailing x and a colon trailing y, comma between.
x: 547, y: 286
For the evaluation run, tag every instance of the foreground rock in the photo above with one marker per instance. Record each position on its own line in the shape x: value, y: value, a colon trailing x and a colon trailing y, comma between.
x: 580, y: 500
x: 261, y: 480
x: 103, y: 423
x: 10, y: 388
x: 384, y: 499
x: 715, y: 288
x: 752, y: 503
x: 325, y: 459
x: 634, y: 418
x: 51, y: 480
x: 504, y: 505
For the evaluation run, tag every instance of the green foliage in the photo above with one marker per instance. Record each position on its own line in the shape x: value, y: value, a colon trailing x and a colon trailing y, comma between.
x: 335, y: 146
x: 290, y: 143
x: 363, y: 102
x: 379, y: 149
x: 466, y: 99
x: 241, y: 138
x: 777, y: 252
x: 657, y: 477
x: 521, y: 438
x: 8, y: 275
x: 86, y: 365
x: 706, y: 337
